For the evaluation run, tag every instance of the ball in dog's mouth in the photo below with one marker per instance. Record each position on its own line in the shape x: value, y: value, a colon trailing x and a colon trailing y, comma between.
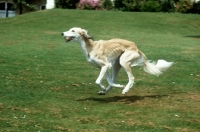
x: 69, y: 38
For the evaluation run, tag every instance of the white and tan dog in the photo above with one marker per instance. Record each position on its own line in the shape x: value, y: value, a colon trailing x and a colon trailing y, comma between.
x: 114, y: 53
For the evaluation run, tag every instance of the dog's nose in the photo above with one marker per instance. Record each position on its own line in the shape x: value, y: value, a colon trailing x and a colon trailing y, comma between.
x: 62, y: 34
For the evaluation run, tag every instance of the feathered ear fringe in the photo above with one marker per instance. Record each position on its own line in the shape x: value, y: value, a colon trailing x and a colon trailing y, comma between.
x: 85, y: 34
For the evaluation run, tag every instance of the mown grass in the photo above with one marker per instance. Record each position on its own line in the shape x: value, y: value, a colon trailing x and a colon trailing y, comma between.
x: 47, y: 85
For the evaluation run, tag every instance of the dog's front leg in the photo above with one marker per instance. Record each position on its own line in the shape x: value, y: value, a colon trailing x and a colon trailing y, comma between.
x: 99, y: 79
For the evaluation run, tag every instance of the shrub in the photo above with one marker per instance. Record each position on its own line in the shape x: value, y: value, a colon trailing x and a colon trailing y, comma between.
x: 132, y: 5
x: 66, y: 4
x: 151, y: 6
x: 196, y: 7
x: 184, y: 6
x: 128, y: 5
x: 119, y: 5
x: 89, y: 4
x: 167, y: 6
x: 107, y: 4
x: 23, y: 6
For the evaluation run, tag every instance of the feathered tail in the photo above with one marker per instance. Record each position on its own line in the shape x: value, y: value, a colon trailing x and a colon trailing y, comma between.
x: 154, y: 68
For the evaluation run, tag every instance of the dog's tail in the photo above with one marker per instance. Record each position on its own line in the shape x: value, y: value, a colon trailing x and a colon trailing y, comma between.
x: 153, y: 67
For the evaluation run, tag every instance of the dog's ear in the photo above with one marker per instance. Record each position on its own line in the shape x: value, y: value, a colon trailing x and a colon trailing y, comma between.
x: 85, y: 34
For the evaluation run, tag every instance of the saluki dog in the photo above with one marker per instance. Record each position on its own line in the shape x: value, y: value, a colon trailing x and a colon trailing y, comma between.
x: 114, y: 53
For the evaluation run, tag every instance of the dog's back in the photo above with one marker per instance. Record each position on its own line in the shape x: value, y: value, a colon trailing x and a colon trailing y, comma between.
x: 115, y: 47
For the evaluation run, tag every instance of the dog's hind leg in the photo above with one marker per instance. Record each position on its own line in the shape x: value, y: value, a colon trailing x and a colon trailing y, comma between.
x: 130, y: 76
x: 125, y: 60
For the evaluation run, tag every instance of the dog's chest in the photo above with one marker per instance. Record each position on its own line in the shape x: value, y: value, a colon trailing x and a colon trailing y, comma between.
x: 93, y: 61
x: 99, y: 61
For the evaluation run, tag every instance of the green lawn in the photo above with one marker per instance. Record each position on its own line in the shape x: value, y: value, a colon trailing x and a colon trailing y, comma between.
x: 47, y: 85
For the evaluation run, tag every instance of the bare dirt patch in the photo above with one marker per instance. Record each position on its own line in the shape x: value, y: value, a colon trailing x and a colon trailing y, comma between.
x: 194, y: 97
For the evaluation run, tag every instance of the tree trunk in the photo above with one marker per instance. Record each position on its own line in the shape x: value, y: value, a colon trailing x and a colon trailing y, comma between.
x: 20, y: 7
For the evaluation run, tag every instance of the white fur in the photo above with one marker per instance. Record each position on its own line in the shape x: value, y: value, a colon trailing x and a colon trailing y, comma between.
x: 114, y: 53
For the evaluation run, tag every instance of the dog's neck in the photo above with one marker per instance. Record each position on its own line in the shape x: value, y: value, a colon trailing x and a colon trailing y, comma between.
x: 86, y: 46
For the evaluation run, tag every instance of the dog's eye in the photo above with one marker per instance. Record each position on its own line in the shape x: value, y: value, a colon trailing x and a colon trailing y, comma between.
x: 72, y: 30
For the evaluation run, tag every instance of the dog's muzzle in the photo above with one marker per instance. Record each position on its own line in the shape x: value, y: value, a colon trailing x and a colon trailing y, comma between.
x: 68, y: 38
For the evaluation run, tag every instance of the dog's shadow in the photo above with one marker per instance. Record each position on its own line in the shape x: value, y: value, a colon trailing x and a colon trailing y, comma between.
x: 125, y: 99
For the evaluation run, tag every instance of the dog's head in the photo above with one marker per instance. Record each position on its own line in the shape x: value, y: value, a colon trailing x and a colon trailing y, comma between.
x: 75, y: 34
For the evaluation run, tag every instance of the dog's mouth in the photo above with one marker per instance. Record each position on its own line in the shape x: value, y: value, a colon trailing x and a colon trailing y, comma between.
x: 69, y: 38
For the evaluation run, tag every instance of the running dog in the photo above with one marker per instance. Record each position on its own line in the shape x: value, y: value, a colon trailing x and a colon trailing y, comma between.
x: 114, y: 53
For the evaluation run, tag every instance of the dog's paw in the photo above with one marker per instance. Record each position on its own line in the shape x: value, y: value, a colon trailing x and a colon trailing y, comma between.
x: 119, y: 86
x: 101, y: 93
x: 124, y: 91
